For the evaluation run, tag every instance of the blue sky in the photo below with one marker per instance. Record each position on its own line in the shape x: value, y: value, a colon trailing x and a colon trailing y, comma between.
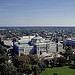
x: 37, y: 12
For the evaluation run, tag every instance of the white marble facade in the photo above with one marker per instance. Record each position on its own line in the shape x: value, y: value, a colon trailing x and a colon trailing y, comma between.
x: 37, y: 45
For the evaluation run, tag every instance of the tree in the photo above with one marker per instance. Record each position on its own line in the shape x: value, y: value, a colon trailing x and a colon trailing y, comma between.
x: 3, y: 50
x: 46, y: 62
x: 68, y: 51
x: 8, y: 69
x: 73, y: 65
x: 35, y: 70
x: 52, y: 63
x: 61, y: 61
x: 14, y: 58
x: 42, y: 65
x: 3, y: 55
x: 68, y: 54
x: 23, y: 60
x: 33, y: 59
x: 74, y: 58
x: 3, y: 59
x: 22, y: 63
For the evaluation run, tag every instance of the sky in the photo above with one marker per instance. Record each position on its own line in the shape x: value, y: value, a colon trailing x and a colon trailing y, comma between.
x: 37, y: 12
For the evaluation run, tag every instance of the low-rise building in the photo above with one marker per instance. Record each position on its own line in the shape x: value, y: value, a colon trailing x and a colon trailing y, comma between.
x: 8, y: 43
x: 70, y: 42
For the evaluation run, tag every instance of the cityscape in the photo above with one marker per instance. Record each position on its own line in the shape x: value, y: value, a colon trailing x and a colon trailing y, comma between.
x: 33, y: 49
x: 37, y: 37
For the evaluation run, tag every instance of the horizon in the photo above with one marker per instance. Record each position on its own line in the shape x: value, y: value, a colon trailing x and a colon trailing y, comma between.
x: 38, y: 26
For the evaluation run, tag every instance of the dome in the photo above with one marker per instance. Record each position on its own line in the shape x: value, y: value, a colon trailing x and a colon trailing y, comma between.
x: 37, y: 37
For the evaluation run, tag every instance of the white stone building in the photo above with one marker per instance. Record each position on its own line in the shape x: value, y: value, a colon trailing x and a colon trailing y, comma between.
x: 8, y: 42
x: 36, y: 45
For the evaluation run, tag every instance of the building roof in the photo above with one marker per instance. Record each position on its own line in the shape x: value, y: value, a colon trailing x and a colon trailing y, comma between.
x: 47, y: 41
x: 37, y: 37
x: 22, y: 45
x: 25, y: 43
x: 40, y: 43
x: 71, y: 39
x: 8, y: 42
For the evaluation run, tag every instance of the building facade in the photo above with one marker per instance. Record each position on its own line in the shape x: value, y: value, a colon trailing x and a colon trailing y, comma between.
x: 70, y: 42
x: 36, y: 45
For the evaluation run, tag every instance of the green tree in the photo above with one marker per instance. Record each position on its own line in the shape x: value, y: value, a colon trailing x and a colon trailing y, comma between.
x: 8, y: 69
x: 52, y: 63
x: 46, y: 63
x: 3, y: 59
x: 68, y: 54
x: 73, y: 65
x: 42, y: 65
x: 3, y: 50
x: 61, y: 61
x: 36, y: 70
x: 22, y: 63
x: 33, y: 59
x: 21, y: 60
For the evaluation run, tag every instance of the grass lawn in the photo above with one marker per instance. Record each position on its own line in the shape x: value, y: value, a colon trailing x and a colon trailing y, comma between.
x: 59, y: 70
